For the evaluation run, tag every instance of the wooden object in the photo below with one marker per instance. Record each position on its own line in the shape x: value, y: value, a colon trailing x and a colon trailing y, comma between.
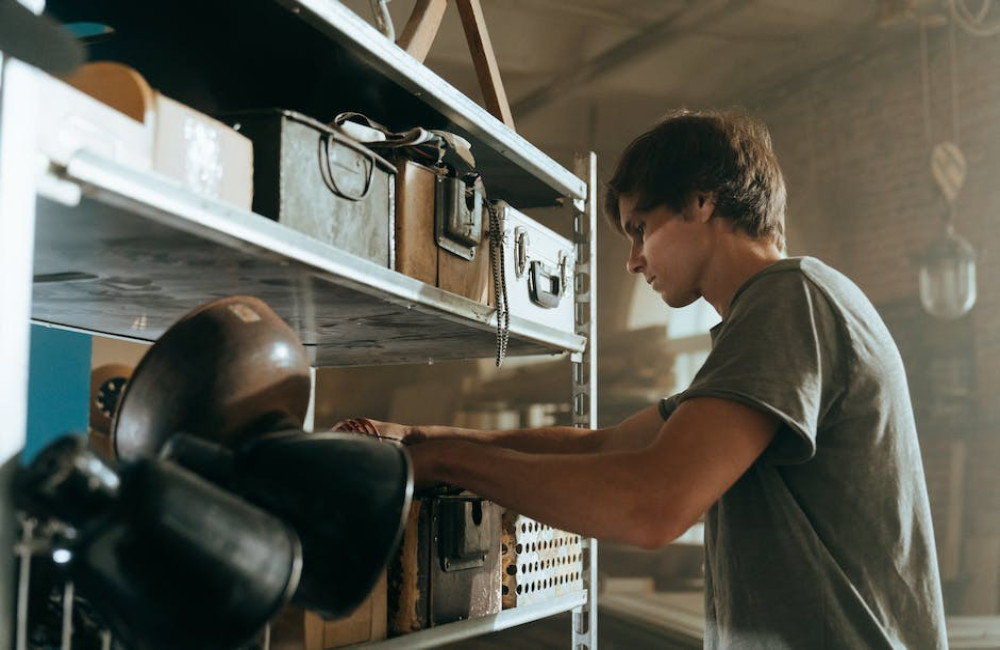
x: 416, y: 252
x: 484, y: 60
x: 299, y: 629
x: 408, y: 582
x: 469, y: 278
x: 422, y: 27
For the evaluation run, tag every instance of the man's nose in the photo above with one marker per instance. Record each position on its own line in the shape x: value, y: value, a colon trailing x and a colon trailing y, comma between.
x: 635, y: 262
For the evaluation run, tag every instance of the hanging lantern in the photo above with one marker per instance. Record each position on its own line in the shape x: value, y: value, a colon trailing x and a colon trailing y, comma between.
x: 948, y: 266
x: 948, y: 276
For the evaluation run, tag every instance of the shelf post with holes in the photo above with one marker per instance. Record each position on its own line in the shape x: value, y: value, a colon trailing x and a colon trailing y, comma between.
x: 584, y: 368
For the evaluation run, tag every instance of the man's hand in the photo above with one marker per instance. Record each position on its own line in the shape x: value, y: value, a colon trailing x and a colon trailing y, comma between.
x: 402, y: 433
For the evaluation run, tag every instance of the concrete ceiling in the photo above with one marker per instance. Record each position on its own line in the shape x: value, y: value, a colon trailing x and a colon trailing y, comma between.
x: 585, y: 74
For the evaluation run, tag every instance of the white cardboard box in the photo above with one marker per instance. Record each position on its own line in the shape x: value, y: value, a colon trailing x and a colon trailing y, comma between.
x: 203, y: 154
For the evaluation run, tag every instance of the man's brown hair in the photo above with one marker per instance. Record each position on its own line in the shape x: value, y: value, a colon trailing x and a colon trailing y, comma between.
x: 725, y: 153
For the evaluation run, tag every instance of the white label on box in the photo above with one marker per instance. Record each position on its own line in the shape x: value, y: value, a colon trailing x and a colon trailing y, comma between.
x: 203, y: 160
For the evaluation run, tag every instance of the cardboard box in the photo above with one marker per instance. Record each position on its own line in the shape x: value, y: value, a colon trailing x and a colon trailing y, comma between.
x: 201, y: 153
x: 299, y: 629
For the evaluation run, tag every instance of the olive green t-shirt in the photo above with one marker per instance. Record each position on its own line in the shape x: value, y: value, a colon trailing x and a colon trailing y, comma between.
x: 826, y: 541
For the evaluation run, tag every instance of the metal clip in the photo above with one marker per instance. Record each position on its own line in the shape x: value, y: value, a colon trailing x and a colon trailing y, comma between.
x: 521, y: 243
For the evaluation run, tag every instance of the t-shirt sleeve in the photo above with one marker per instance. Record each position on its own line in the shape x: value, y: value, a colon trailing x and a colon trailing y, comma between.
x: 668, y: 405
x: 776, y: 352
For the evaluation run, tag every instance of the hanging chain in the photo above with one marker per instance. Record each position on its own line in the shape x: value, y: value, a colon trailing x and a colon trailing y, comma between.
x: 925, y: 82
x: 953, y: 73
x: 499, y: 281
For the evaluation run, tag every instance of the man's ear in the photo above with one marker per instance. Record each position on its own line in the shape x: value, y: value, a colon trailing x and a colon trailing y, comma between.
x: 703, y: 205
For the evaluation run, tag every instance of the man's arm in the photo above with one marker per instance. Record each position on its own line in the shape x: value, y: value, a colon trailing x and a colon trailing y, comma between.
x: 636, y: 432
x: 646, y: 497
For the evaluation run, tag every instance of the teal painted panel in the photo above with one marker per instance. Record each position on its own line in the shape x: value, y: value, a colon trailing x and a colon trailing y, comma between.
x: 58, y: 387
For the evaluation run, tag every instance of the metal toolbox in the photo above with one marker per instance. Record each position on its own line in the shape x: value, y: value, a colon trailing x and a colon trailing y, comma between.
x: 538, y: 267
x: 448, y: 567
x: 318, y: 181
x: 441, y: 232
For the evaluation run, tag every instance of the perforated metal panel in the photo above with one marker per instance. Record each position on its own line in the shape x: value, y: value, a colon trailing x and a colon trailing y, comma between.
x: 539, y: 562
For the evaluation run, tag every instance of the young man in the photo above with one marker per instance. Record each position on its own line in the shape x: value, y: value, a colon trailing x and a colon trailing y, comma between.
x: 795, y: 441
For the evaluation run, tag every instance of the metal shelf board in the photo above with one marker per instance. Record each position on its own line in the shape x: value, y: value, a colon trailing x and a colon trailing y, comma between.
x: 140, y: 251
x: 388, y: 59
x: 453, y: 632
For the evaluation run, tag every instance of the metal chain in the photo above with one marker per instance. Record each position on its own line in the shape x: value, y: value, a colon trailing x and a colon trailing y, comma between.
x: 499, y: 281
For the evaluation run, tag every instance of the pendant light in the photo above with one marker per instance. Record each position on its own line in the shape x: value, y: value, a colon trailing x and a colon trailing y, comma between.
x: 948, y: 265
x: 947, y: 275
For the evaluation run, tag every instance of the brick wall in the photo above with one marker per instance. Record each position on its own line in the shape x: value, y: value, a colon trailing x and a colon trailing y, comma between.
x: 854, y: 149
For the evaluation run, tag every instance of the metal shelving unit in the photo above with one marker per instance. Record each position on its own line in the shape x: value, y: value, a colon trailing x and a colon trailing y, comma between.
x: 124, y: 253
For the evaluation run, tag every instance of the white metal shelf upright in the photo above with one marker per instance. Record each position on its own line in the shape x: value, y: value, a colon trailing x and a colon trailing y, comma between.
x: 17, y: 210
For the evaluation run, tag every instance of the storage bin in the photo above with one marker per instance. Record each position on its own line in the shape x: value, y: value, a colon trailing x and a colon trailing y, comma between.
x: 320, y: 182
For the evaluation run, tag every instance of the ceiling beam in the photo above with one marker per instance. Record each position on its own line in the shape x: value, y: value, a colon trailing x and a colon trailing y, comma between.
x: 694, y: 15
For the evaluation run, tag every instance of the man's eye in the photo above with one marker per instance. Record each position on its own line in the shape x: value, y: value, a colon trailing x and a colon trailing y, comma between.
x: 640, y: 230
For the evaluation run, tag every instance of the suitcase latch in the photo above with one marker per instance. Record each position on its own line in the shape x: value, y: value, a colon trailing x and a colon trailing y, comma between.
x: 546, y: 284
x: 465, y: 534
x: 458, y: 217
x: 521, y: 244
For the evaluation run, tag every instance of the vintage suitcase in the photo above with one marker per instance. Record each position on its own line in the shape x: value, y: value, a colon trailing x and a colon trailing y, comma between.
x: 539, y: 265
x: 441, y: 232
x: 448, y: 567
x: 70, y: 120
x: 203, y: 154
x: 322, y: 183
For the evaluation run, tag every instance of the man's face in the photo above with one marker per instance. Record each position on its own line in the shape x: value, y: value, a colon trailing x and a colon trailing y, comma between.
x: 669, y: 249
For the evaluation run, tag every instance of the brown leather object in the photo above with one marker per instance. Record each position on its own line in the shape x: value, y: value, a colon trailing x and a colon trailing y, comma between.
x: 227, y: 371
